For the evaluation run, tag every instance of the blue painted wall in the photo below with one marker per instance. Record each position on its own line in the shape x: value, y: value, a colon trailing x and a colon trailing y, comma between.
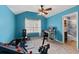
x: 56, y: 21
x: 7, y: 24
x: 20, y: 22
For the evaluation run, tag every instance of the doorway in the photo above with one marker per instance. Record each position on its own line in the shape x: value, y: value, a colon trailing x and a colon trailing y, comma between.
x: 70, y: 30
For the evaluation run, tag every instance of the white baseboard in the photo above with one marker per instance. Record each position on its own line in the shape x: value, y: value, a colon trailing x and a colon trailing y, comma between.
x: 58, y: 41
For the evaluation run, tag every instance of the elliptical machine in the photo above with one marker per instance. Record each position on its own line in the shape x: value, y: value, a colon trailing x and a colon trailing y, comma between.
x: 44, y: 48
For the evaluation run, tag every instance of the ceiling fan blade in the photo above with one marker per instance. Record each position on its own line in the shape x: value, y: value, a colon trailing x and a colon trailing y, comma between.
x: 48, y: 9
x: 45, y: 12
x: 42, y: 8
x: 39, y: 10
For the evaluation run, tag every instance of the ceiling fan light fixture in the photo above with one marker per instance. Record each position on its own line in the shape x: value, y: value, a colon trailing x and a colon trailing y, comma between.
x: 40, y: 13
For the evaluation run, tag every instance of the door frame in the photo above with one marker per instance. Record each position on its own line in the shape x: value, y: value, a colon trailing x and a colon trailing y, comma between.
x: 76, y: 25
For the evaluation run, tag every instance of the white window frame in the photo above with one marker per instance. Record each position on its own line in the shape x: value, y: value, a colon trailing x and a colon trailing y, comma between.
x: 31, y: 27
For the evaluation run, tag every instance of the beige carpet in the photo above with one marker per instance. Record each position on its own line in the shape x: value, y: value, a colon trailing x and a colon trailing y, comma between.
x: 55, y: 47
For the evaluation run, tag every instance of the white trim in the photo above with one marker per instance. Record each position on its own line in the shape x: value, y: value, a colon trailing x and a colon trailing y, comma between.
x: 58, y: 41
x: 63, y: 28
x: 40, y: 26
x: 77, y: 29
x: 76, y: 24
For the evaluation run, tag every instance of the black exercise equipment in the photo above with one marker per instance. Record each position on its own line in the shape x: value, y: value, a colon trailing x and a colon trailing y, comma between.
x: 15, y: 42
x: 23, y: 46
x: 8, y: 49
x: 19, y: 42
x: 45, y: 37
x: 44, y: 49
x: 52, y: 32
x: 24, y: 33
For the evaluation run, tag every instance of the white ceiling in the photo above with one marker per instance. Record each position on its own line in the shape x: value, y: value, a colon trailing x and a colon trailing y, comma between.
x: 34, y: 8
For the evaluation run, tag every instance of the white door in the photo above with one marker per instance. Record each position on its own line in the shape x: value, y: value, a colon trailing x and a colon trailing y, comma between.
x: 71, y: 27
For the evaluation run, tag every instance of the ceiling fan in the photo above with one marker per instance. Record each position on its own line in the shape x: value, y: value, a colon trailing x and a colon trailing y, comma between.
x: 43, y: 10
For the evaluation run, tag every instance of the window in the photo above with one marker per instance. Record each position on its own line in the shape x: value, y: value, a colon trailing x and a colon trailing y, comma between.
x: 33, y: 26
